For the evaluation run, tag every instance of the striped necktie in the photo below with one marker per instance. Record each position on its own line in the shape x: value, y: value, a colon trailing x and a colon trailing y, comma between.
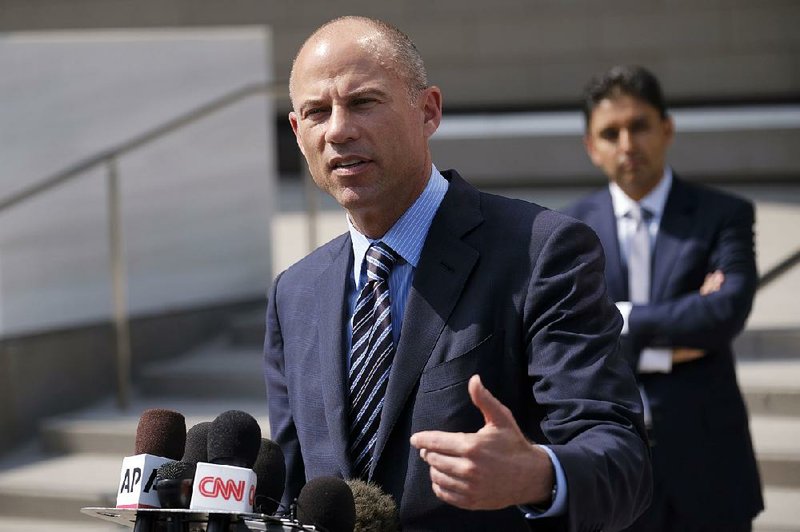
x: 370, y: 356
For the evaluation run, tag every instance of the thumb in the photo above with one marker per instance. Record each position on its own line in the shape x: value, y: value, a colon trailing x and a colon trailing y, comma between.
x: 494, y: 412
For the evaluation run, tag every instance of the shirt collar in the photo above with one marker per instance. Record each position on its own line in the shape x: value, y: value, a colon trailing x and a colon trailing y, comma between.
x: 407, y: 236
x: 654, y: 201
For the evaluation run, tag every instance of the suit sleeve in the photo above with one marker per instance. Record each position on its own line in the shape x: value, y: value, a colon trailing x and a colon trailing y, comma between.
x: 711, y: 321
x: 593, y: 418
x: 282, y: 428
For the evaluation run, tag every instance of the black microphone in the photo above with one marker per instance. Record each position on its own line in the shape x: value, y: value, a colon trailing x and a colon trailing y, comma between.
x: 174, y: 487
x: 327, y: 503
x: 376, y: 510
x: 160, y: 438
x: 234, y: 439
x: 197, y: 443
x: 270, y: 468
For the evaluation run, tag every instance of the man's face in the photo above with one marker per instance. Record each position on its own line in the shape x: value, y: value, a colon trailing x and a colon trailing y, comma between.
x: 363, y: 137
x: 628, y: 140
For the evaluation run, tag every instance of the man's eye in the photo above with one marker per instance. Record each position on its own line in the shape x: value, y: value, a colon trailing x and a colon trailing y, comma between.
x: 609, y: 134
x: 314, y: 111
x: 640, y: 126
x: 363, y: 102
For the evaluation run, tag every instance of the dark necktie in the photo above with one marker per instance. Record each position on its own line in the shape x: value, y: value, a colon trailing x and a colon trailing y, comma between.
x: 639, y: 257
x: 371, y: 356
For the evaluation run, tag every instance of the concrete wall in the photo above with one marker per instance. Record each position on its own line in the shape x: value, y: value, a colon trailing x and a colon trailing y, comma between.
x: 196, y: 203
x: 509, y: 52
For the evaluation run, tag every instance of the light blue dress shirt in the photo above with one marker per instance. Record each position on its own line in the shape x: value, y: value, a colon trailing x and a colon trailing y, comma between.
x: 406, y: 237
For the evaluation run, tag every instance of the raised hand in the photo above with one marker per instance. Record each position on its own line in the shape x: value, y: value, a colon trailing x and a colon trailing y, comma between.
x: 490, y: 469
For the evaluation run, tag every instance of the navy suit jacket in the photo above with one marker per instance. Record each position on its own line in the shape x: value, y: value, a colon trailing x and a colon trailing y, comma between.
x: 703, y: 452
x: 505, y: 289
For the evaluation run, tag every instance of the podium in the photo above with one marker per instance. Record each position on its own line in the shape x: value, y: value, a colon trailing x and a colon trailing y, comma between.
x: 196, y: 521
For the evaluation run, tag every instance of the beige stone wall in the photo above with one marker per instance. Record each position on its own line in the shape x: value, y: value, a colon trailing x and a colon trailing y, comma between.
x: 509, y: 53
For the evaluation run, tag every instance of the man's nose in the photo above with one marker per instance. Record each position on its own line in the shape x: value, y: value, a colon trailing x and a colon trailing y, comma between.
x: 625, y: 140
x: 341, y: 126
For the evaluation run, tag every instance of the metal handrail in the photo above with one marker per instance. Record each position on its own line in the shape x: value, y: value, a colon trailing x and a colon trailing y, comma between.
x: 109, y: 158
x: 779, y: 269
x: 191, y: 116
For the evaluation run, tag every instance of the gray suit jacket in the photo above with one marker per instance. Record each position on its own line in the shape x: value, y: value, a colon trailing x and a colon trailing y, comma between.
x: 506, y: 289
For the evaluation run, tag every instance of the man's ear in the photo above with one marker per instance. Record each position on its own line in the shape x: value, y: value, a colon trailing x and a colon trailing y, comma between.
x: 293, y: 122
x: 669, y: 128
x: 588, y: 143
x: 432, y: 109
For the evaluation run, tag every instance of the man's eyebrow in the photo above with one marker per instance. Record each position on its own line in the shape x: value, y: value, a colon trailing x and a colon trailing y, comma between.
x: 368, y: 91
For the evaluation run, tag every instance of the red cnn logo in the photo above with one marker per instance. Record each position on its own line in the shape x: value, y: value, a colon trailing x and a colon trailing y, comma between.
x: 226, y: 488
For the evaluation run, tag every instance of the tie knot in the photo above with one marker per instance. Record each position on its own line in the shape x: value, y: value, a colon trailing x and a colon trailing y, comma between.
x: 380, y: 259
x: 639, y: 214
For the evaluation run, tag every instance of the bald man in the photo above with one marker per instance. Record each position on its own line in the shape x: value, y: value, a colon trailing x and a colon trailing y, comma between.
x: 455, y: 347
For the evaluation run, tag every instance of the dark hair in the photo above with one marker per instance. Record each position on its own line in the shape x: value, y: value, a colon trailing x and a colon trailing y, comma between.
x: 631, y: 80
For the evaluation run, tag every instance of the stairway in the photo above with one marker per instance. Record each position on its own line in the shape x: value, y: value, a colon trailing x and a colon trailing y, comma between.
x: 772, y: 391
x: 77, y: 458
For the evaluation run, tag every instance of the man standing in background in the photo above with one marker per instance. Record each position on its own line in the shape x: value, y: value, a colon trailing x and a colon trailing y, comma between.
x: 680, y: 265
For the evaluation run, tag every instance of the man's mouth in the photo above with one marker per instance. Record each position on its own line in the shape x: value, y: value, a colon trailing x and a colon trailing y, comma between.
x: 347, y: 164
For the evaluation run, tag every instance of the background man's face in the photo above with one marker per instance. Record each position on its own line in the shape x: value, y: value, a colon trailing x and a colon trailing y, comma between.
x: 628, y: 140
x: 364, y: 139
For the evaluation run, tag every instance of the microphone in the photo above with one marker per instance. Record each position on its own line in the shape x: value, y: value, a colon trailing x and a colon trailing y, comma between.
x: 327, y: 503
x: 270, y: 469
x: 174, y: 487
x: 160, y: 438
x: 197, y: 443
x: 226, y: 482
x: 376, y: 510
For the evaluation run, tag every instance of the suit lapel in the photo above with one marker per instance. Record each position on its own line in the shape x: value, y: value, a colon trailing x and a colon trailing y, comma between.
x: 332, y: 312
x: 676, y: 224
x: 603, y: 220
x: 444, y: 266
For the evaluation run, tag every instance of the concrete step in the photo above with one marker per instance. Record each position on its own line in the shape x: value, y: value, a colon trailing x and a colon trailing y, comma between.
x: 248, y: 329
x: 777, y: 445
x: 782, y: 513
x: 771, y: 387
x: 216, y: 370
x: 56, y: 488
x: 105, y: 429
x: 35, y: 484
x: 13, y: 524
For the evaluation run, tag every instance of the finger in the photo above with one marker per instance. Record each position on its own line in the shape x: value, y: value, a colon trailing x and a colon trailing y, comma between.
x: 450, y: 497
x: 448, y: 482
x: 494, y: 412
x: 452, y: 443
x: 454, y: 466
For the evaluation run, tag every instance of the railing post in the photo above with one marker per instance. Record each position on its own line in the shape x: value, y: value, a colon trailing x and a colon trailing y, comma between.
x: 118, y: 287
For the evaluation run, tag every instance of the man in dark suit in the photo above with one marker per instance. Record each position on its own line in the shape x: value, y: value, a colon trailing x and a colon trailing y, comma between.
x: 684, y: 289
x: 455, y: 347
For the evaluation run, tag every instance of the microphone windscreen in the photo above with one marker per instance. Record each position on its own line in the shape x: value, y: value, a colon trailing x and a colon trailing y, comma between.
x: 174, y: 484
x: 175, y: 470
x: 234, y: 439
x: 376, y: 510
x: 270, y: 468
x: 327, y: 503
x: 161, y: 433
x: 197, y: 443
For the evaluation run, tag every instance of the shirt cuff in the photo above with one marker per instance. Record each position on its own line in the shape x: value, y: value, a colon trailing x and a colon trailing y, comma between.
x: 624, y: 308
x: 559, y: 504
x: 655, y: 360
